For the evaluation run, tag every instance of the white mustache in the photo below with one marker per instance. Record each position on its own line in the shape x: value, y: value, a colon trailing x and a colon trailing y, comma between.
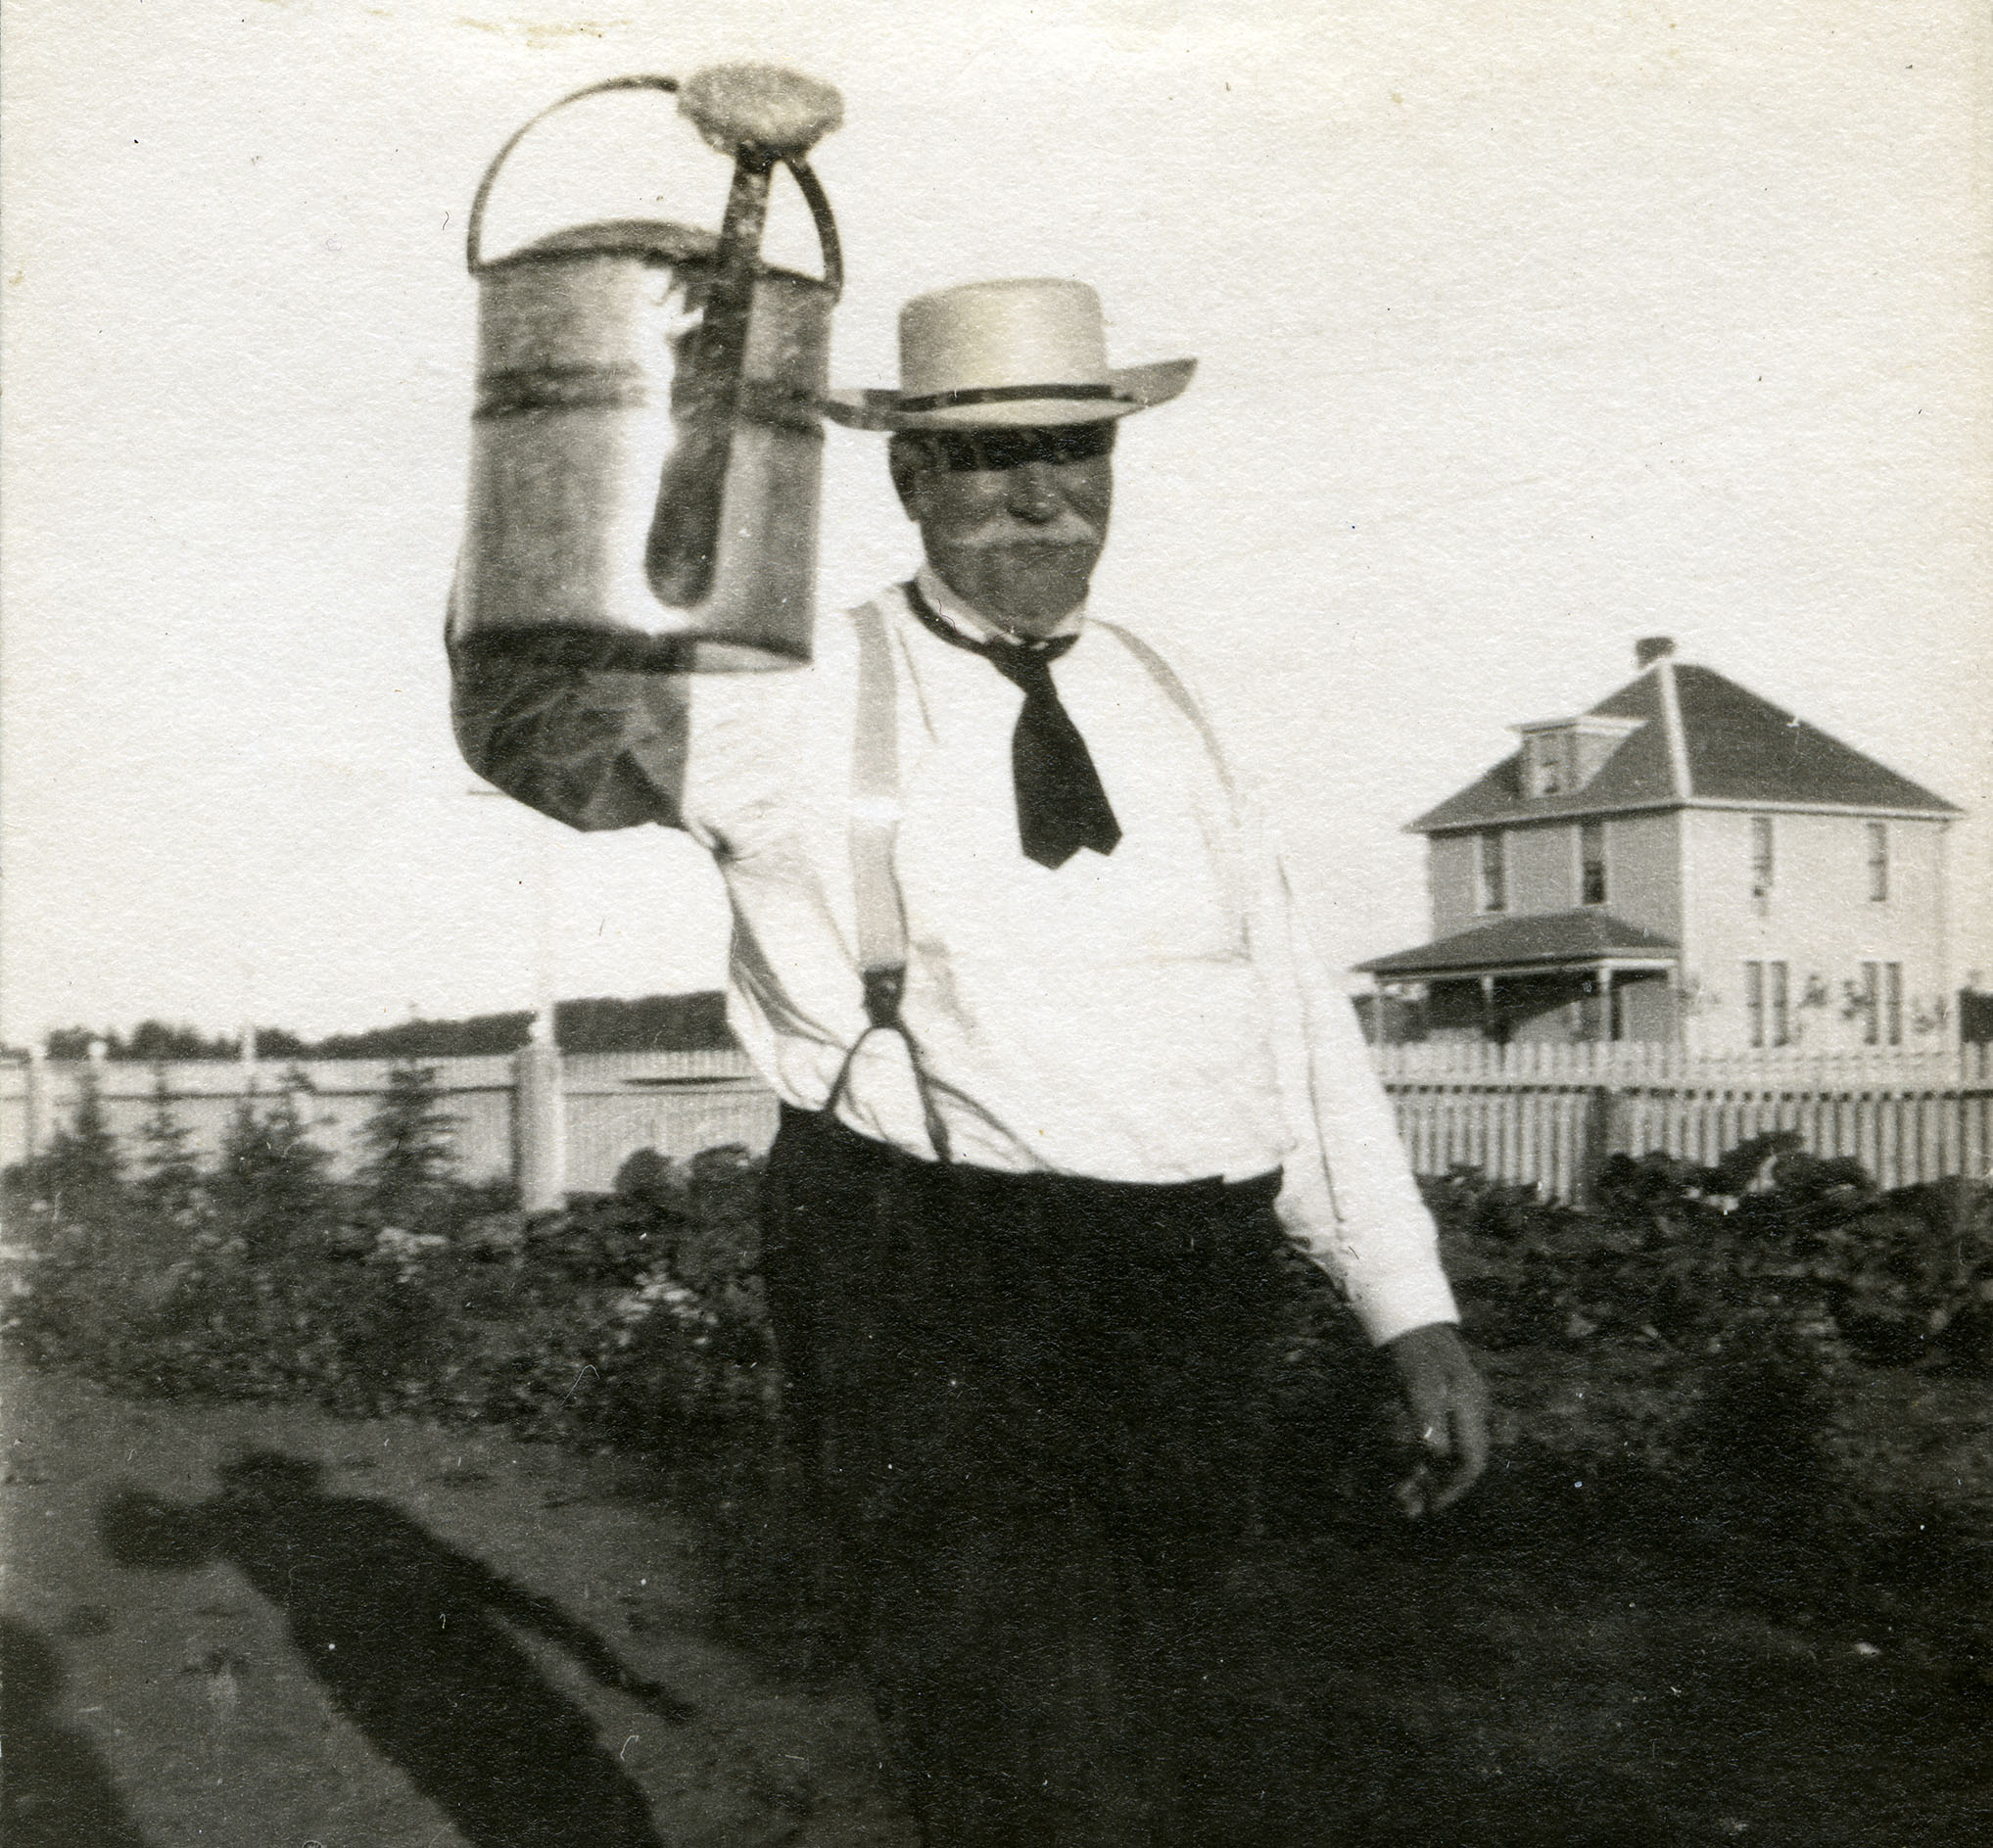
x: 1013, y: 534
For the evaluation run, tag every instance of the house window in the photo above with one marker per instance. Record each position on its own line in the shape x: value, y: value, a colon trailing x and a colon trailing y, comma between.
x: 1762, y: 865
x: 1878, y: 862
x: 1550, y: 763
x: 1493, y: 856
x: 1592, y: 864
x: 1768, y: 1004
x: 1880, y: 1003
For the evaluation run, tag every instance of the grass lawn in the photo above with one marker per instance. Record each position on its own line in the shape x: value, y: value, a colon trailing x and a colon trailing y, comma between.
x: 1569, y: 1660
x: 186, y: 1691
x: 1604, y: 1658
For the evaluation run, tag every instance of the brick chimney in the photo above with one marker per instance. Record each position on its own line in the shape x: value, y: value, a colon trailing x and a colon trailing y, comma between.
x: 1651, y: 649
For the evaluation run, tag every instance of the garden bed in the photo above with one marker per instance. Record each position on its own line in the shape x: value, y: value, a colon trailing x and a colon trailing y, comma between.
x: 1728, y: 1576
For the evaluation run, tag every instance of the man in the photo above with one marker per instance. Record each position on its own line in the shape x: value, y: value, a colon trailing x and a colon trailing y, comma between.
x: 1058, y: 1073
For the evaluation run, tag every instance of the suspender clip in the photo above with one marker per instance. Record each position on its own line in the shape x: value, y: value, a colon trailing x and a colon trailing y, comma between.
x: 884, y: 989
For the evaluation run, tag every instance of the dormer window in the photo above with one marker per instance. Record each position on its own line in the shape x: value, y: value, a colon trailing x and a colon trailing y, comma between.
x: 1550, y: 763
x: 1560, y: 756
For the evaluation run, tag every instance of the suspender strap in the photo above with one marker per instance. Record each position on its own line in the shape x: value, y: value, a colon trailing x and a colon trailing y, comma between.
x: 1179, y: 695
x: 1232, y: 866
x: 875, y: 821
x: 874, y: 828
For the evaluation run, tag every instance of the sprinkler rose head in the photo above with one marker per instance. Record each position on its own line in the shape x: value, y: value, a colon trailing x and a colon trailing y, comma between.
x: 780, y: 113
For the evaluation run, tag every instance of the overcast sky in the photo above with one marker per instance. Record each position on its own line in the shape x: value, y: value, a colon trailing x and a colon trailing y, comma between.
x: 1526, y: 329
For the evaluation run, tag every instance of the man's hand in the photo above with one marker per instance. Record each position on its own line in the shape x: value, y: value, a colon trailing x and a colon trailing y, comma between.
x: 1449, y: 1408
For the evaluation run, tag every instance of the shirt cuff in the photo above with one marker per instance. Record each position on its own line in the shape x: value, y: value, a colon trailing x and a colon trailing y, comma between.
x: 1395, y: 1306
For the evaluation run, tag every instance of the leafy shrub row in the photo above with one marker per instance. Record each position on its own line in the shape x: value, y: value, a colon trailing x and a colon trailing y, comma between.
x: 1774, y: 1245
x: 1708, y: 1313
x: 1707, y: 1325
x: 634, y: 1319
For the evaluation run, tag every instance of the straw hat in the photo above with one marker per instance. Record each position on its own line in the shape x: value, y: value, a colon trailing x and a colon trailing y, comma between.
x: 1018, y: 354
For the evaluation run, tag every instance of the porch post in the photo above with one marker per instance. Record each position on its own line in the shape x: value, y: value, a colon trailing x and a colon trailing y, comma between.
x: 1608, y: 1028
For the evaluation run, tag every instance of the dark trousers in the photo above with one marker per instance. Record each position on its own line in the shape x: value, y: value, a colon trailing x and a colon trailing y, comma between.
x: 1024, y: 1413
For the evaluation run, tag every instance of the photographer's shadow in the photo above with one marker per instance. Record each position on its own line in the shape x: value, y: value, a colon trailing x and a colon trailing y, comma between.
x: 413, y: 1641
x: 58, y: 1792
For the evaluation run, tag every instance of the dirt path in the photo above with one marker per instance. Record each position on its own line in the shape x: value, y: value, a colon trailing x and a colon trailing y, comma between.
x: 177, y: 1705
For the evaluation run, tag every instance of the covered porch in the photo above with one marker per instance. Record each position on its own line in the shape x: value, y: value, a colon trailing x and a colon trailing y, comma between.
x: 1573, y: 976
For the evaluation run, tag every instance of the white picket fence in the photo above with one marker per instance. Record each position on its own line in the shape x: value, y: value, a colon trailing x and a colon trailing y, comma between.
x: 1545, y: 1114
x: 611, y: 1105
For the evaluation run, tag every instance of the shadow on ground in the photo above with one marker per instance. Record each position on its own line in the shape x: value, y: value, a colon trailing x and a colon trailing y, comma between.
x: 58, y: 1792
x: 415, y: 1644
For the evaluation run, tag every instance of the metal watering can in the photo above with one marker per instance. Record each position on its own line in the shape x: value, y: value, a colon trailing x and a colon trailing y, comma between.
x: 646, y: 451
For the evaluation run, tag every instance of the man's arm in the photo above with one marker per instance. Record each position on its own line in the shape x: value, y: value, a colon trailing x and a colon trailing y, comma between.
x: 528, y: 1610
x: 591, y: 749
x: 1348, y: 1197
x: 1351, y: 1202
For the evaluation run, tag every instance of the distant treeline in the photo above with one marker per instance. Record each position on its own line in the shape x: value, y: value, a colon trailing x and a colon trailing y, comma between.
x: 655, y: 1023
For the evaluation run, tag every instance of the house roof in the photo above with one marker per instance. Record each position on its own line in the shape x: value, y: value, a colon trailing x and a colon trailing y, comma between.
x: 1585, y: 938
x: 1744, y: 749
x: 1702, y: 738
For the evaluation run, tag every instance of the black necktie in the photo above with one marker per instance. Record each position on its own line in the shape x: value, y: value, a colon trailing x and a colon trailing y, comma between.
x: 1061, y: 804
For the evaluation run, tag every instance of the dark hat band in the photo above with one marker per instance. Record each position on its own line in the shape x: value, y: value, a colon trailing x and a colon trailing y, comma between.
x: 1002, y: 394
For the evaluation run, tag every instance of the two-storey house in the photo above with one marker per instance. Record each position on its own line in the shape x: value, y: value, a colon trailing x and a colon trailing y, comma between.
x: 1685, y: 864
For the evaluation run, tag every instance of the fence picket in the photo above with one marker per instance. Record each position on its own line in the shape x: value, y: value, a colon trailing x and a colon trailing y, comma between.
x: 615, y: 1103
x: 1533, y: 1114
x: 1543, y: 1114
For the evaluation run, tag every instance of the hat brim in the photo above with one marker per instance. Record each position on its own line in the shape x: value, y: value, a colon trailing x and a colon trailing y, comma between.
x: 1130, y: 389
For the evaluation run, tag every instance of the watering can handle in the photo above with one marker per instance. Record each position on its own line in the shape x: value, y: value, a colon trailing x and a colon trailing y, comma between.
x: 806, y: 180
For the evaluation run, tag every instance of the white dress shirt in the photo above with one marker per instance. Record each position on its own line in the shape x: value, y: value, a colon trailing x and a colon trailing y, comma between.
x: 1152, y: 1014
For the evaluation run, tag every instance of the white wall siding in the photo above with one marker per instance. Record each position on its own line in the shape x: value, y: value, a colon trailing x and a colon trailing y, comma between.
x: 1819, y: 920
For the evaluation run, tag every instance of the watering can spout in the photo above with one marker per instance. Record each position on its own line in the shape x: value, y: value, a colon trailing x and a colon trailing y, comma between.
x: 759, y: 115
x: 646, y: 451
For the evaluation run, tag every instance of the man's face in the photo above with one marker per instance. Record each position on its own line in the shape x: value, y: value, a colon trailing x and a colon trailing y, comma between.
x: 1013, y: 520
